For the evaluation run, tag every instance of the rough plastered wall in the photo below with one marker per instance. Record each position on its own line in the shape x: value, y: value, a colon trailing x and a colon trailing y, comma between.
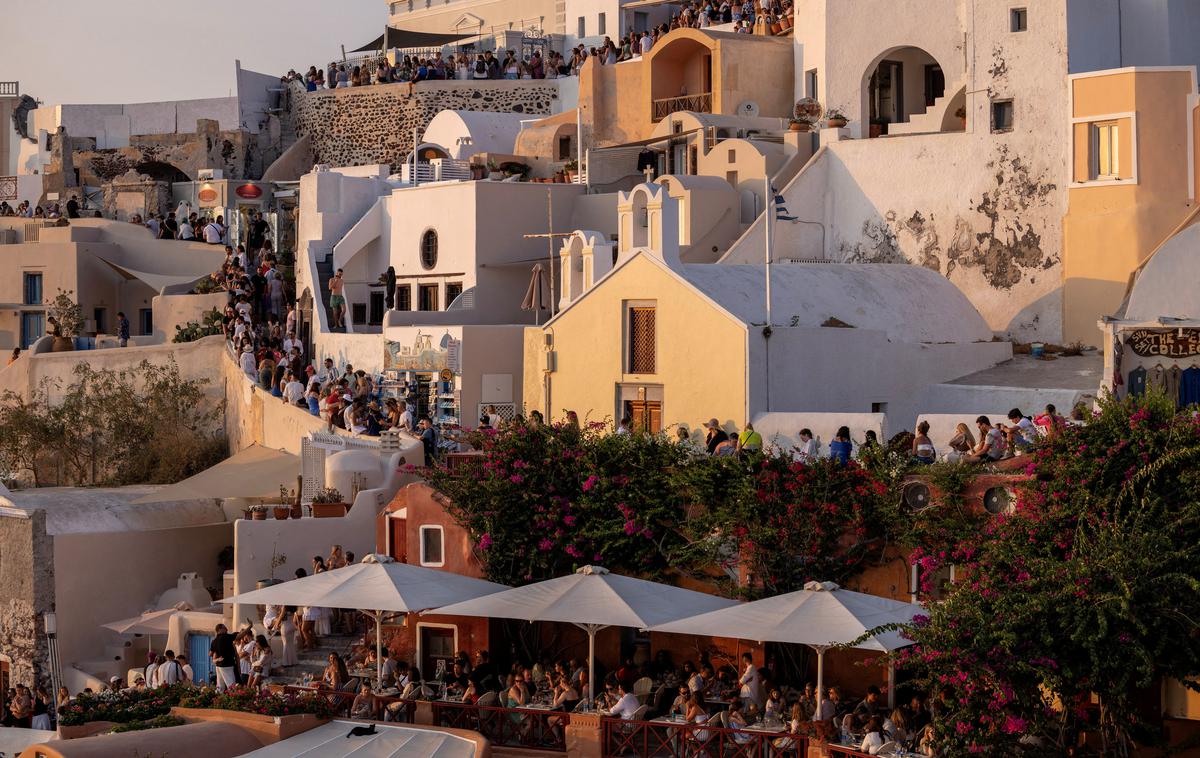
x: 984, y: 209
x: 26, y: 592
x: 365, y: 125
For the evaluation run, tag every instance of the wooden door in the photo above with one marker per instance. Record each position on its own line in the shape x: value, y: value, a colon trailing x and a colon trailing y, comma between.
x: 437, y: 645
x: 646, y: 415
x: 398, y: 539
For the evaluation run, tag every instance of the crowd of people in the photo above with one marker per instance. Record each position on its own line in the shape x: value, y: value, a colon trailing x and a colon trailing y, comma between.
x: 995, y: 441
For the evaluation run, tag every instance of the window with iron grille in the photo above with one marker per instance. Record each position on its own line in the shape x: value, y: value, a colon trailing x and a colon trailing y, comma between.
x: 429, y: 248
x: 641, y: 340
x: 404, y: 298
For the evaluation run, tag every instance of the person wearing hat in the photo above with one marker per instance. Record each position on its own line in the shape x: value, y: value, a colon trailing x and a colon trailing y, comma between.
x: 114, y: 684
x: 715, y: 436
x: 248, y: 364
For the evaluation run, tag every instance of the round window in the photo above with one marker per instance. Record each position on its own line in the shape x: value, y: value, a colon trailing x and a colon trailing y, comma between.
x: 429, y: 244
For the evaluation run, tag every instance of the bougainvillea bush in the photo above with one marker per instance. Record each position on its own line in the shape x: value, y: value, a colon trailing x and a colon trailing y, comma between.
x: 543, y: 500
x: 1090, y: 588
x: 133, y: 705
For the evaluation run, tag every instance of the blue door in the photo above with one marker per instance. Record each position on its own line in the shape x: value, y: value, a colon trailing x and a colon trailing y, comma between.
x: 197, y: 653
x: 33, y: 326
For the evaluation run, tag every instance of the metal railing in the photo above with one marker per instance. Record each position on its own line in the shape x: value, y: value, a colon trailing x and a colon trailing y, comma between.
x: 529, y: 728
x: 10, y: 89
x: 670, y: 739
x: 701, y: 103
x: 342, y: 701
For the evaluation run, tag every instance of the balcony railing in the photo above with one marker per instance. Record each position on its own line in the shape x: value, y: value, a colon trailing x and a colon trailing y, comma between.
x: 701, y: 103
x: 341, y: 701
x: 529, y: 728
x: 676, y: 739
x: 10, y: 89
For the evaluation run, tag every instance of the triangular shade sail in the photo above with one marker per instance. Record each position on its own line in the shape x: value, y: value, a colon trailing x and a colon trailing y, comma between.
x: 402, y: 38
x: 255, y: 472
x: 152, y: 622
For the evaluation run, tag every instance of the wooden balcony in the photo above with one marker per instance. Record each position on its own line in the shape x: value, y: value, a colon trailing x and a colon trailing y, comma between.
x: 701, y: 103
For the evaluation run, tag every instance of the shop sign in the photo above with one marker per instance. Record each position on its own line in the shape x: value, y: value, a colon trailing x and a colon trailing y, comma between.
x: 249, y: 191
x: 1164, y: 343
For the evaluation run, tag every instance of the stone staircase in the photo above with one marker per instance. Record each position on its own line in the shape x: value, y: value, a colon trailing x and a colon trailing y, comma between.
x: 930, y: 121
x: 324, y: 274
x: 315, y: 660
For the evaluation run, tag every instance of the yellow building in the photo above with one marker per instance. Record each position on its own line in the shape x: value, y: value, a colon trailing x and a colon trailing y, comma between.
x: 1133, y: 182
x: 669, y: 343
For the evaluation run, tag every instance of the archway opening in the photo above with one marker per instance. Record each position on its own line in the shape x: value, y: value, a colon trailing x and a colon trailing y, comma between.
x: 681, y: 78
x: 899, y: 84
x: 160, y: 171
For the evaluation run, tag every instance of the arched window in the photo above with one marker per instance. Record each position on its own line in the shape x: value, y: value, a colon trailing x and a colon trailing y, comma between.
x: 429, y: 244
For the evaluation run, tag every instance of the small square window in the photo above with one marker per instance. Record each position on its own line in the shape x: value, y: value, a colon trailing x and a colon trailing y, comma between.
x: 601, y: 24
x: 431, y: 546
x: 582, y: 28
x: 1002, y: 115
x: 1018, y: 19
x: 732, y: 155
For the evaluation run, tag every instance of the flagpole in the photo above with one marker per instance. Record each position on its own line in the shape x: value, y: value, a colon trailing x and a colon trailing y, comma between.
x: 768, y: 212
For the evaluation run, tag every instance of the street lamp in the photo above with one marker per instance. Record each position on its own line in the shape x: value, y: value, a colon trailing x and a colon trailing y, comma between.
x: 50, y: 627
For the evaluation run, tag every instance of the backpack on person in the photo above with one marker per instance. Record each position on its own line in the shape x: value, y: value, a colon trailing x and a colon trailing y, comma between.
x: 480, y: 67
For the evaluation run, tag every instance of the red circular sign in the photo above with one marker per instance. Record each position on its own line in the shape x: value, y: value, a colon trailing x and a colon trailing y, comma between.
x: 249, y: 191
x: 207, y: 195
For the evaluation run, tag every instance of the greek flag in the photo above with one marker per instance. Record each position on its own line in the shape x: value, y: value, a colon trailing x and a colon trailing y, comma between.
x: 781, y: 211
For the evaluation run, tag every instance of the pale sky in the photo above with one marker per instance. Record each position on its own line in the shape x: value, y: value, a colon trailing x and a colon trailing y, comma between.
x: 135, y: 51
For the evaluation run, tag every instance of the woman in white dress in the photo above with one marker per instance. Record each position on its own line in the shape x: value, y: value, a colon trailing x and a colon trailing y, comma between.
x: 246, y: 648
x: 287, y: 632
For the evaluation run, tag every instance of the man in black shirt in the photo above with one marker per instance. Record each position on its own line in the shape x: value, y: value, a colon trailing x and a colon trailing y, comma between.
x: 483, y: 674
x: 716, y: 435
x: 224, y: 657
x: 455, y: 680
x: 73, y: 207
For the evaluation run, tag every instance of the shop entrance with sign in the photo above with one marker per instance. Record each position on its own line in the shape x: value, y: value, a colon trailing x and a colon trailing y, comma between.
x: 1164, y: 343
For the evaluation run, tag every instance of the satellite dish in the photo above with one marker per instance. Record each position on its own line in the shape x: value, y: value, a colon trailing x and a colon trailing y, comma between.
x: 748, y: 108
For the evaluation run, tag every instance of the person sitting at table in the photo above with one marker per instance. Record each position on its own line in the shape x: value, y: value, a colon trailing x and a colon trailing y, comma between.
x: 365, y: 706
x: 828, y: 707
x: 895, y: 728
x: 874, y: 738
x: 335, y: 676
x: 783, y: 744
x: 388, y: 669
x: 455, y: 680
x: 516, y: 696
x: 681, y: 700
x: 699, y: 682
x: 925, y: 745
x: 415, y: 687
x: 470, y: 695
x: 737, y: 721
x: 697, y: 714
x: 773, y: 710
x: 869, y: 706
x: 627, y: 703
x: 808, y: 701
x: 751, y: 681
x: 607, y: 699
x: 566, y: 697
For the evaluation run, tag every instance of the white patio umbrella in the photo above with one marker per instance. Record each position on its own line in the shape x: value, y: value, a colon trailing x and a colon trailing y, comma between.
x: 377, y: 584
x: 822, y: 615
x: 591, y: 599
x: 149, y: 623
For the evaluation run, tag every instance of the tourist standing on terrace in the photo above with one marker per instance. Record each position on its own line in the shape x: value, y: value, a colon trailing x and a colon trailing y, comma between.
x: 840, y: 448
x: 337, y: 302
x: 224, y: 658
x: 122, y: 328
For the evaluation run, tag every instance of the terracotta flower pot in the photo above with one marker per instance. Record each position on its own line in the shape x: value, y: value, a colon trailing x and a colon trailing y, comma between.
x: 282, y: 512
x: 328, y: 510
x: 297, y: 511
x: 62, y: 345
x: 837, y: 123
x: 258, y: 515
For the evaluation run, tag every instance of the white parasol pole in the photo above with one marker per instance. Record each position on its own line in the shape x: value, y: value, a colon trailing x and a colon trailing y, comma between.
x: 891, y: 685
x: 820, y: 677
x: 591, y: 630
x: 379, y: 649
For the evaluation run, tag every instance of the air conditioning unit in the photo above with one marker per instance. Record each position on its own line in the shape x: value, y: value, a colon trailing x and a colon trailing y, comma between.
x: 916, y: 496
x: 998, y: 500
x: 210, y: 175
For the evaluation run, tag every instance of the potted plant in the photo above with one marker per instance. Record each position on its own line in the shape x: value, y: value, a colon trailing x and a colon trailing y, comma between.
x: 805, y: 113
x: 64, y: 321
x: 961, y: 115
x: 570, y: 169
x: 278, y: 560
x: 258, y: 512
x: 494, y: 173
x: 835, y: 119
x: 328, y: 503
x: 776, y: 28
x: 284, y: 509
x: 294, y: 495
x: 796, y: 125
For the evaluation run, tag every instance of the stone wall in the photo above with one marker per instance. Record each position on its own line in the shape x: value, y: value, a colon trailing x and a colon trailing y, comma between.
x: 366, y: 125
x: 26, y: 592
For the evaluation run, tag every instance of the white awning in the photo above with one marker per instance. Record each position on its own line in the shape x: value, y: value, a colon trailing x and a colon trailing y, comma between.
x: 256, y: 472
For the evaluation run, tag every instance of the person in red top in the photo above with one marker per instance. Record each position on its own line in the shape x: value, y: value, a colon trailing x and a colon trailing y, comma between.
x: 1050, y: 423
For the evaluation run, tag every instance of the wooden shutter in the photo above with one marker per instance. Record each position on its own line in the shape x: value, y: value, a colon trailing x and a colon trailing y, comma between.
x: 641, y: 340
